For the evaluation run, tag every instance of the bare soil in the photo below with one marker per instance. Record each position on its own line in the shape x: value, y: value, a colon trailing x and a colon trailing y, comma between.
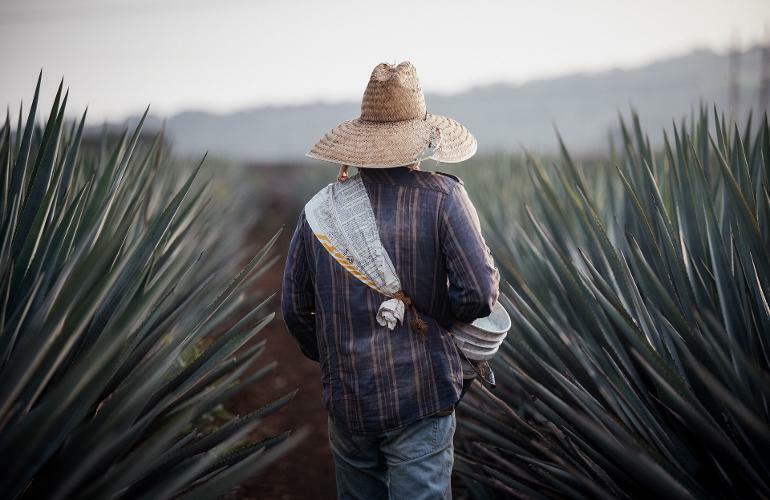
x: 307, y: 471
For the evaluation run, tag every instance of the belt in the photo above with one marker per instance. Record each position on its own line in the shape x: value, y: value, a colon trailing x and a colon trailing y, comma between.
x: 445, y: 412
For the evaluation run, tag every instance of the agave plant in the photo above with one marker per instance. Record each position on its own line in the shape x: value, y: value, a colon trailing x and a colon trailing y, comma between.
x: 638, y: 364
x: 110, y: 270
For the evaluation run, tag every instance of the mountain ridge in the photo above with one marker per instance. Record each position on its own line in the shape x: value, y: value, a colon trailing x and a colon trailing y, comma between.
x: 584, y: 106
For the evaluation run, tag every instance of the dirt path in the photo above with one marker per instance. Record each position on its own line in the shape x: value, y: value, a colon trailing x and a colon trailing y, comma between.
x: 307, y: 472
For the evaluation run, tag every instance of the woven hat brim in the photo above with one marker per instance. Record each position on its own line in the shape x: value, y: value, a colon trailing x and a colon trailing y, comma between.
x: 457, y: 143
x: 368, y: 144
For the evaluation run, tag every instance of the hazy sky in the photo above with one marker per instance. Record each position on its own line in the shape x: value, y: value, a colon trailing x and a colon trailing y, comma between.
x: 119, y: 55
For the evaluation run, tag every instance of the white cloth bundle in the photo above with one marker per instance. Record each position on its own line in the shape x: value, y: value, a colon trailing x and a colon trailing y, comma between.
x: 342, y: 219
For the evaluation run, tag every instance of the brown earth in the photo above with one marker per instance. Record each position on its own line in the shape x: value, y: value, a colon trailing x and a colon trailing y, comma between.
x: 307, y: 470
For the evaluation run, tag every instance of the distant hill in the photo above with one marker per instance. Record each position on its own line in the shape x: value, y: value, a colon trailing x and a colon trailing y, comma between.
x: 584, y: 107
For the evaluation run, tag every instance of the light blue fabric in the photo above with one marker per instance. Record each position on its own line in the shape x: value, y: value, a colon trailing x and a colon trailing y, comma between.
x: 414, y: 462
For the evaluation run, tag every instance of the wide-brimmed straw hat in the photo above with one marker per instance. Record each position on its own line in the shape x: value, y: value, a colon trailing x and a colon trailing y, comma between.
x: 395, y: 128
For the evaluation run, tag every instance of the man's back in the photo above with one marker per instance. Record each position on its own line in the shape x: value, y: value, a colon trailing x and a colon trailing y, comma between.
x: 375, y: 379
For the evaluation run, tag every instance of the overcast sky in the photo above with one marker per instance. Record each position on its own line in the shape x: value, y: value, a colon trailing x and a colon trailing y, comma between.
x: 117, y: 56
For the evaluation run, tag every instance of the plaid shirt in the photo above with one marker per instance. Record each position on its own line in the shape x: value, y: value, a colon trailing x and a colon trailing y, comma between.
x: 375, y: 379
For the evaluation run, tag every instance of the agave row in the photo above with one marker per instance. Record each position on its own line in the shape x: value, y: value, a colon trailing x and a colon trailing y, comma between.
x: 111, y: 268
x: 639, y: 359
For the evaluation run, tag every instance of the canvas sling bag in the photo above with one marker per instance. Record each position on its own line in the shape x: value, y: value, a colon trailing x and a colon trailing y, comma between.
x: 342, y: 219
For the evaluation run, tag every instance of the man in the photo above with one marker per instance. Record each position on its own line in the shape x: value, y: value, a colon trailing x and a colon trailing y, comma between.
x: 379, y: 268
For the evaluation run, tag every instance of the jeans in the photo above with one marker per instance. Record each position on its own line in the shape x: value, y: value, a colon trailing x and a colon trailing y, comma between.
x: 414, y: 462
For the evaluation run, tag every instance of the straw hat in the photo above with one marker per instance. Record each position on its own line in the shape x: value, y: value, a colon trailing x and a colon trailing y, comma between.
x: 394, y: 128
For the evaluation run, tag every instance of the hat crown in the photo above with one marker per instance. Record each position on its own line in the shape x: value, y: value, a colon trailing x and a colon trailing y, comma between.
x: 393, y: 94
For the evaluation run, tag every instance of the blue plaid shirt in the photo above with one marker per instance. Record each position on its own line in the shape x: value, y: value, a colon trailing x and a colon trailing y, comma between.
x: 375, y: 379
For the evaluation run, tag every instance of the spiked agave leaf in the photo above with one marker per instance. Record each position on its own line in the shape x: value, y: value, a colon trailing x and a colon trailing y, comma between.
x: 639, y: 361
x: 109, y: 271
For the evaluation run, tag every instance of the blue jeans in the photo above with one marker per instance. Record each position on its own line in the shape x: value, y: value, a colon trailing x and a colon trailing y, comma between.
x: 414, y: 462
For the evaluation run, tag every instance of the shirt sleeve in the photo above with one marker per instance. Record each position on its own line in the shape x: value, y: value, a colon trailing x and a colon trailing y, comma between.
x: 298, y: 294
x: 473, y: 278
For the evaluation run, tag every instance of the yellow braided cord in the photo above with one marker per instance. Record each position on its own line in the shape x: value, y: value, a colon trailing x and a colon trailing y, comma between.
x: 343, y: 261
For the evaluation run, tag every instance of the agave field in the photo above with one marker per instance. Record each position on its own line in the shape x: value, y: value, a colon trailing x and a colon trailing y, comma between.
x: 121, y: 312
x: 638, y: 363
